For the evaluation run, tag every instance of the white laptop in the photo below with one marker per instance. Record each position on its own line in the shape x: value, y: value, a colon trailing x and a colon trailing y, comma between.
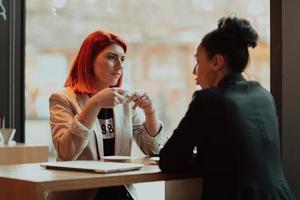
x: 92, y: 166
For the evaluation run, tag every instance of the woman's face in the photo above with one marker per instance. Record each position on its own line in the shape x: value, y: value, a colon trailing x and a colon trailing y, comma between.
x: 108, y: 66
x: 206, y: 76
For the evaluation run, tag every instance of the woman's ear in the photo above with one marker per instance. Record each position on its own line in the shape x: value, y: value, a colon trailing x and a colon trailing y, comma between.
x: 218, y: 62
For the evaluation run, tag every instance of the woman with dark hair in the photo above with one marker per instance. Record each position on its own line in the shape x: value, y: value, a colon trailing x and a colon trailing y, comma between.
x: 94, y: 117
x: 229, y: 134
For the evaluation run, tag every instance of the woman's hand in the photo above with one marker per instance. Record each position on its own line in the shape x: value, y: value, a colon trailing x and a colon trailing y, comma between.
x: 109, y: 97
x: 106, y: 98
x: 141, y: 99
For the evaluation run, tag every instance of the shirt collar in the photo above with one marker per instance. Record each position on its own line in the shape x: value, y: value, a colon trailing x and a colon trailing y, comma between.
x: 232, y: 78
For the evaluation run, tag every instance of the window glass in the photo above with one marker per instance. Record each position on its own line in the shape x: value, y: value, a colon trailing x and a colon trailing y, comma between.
x: 161, y: 36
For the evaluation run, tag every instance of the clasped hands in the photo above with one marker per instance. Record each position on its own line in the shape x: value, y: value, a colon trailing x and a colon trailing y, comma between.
x: 110, y: 97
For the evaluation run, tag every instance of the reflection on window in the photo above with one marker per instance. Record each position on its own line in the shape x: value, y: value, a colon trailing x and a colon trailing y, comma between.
x: 162, y: 36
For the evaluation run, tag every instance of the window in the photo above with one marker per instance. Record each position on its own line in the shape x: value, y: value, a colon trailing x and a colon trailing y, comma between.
x: 161, y: 36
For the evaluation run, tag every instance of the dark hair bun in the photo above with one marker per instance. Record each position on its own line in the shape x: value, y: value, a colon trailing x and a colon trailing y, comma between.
x: 241, y: 28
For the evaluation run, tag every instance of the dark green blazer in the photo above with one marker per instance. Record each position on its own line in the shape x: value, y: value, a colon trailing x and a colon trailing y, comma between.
x: 235, y: 131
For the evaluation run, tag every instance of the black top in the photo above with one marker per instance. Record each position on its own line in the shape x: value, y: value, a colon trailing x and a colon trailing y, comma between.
x: 234, y: 128
x: 106, y: 119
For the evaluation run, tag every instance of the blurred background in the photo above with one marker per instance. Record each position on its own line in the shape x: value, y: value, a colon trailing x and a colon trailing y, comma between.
x: 161, y: 36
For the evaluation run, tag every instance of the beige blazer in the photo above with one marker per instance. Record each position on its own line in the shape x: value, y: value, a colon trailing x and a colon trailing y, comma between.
x: 68, y: 133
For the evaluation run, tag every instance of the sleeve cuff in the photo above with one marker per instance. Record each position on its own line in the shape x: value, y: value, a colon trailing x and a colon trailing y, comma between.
x: 79, y: 129
x: 158, y: 132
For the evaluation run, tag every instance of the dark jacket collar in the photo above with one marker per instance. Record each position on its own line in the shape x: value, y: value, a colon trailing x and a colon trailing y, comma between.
x: 231, y: 78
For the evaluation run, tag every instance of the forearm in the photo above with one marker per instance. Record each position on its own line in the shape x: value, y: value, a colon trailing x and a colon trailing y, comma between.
x: 152, y: 123
x: 173, y: 158
x: 69, y: 139
x: 69, y: 146
x: 89, y: 113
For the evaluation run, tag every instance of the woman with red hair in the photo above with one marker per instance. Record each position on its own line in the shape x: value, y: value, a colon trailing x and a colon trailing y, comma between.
x: 94, y: 117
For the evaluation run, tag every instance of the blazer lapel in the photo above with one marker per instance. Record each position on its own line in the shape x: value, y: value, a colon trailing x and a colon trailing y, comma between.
x: 82, y: 99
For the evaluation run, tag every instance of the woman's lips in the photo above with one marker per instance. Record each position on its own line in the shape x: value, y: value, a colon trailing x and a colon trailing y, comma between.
x: 115, y: 74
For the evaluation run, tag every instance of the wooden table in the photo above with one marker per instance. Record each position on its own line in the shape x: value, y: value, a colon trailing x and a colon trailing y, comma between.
x: 23, y: 153
x: 30, y: 181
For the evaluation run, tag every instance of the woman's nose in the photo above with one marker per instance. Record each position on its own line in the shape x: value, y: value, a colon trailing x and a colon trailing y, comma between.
x: 119, y: 64
x: 195, y: 70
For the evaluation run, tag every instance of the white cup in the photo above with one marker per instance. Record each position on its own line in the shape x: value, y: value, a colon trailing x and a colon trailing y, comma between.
x: 7, y: 134
x: 125, y: 94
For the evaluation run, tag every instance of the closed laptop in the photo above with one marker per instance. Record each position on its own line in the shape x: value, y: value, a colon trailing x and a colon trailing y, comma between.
x: 92, y: 166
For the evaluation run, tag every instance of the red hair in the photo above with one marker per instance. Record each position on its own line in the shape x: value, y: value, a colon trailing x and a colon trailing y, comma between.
x: 81, y: 76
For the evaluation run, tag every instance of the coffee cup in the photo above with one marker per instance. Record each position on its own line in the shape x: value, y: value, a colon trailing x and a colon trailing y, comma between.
x: 126, y: 94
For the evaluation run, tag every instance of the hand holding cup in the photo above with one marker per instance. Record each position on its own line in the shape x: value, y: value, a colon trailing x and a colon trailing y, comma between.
x: 141, y: 99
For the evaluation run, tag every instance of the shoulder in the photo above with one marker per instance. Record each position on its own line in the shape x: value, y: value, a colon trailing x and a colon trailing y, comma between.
x: 257, y: 85
x: 208, y: 100
x: 251, y: 88
x: 207, y: 95
x: 262, y: 92
x: 64, y: 96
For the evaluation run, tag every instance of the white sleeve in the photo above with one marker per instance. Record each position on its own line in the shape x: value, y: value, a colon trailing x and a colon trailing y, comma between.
x: 148, y: 144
